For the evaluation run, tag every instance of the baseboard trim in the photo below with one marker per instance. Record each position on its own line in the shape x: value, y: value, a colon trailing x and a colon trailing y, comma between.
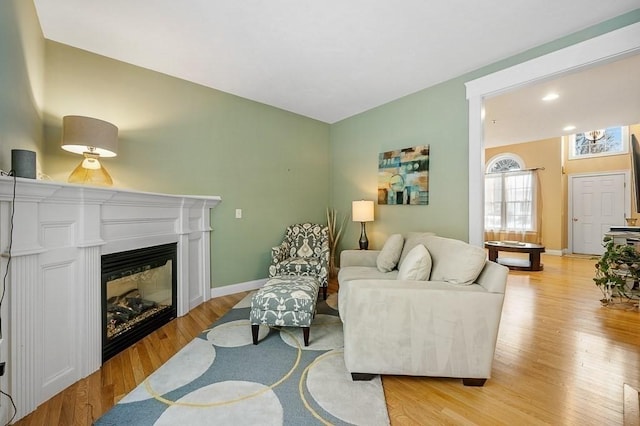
x: 554, y: 252
x: 237, y: 288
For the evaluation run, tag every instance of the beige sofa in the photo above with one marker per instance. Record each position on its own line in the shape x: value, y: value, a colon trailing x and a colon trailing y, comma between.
x: 444, y: 324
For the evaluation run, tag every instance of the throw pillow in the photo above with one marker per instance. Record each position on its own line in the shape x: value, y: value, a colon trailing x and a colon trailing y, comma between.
x: 455, y: 261
x: 416, y: 266
x: 411, y: 240
x: 390, y: 253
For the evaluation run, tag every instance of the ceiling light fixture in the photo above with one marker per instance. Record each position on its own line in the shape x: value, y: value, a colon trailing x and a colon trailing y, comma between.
x: 569, y: 128
x: 551, y: 97
x: 595, y: 135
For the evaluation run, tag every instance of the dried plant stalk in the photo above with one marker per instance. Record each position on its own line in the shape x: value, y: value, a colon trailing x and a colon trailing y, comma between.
x: 335, y: 233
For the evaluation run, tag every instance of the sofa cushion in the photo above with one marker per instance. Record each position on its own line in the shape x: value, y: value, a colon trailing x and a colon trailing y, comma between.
x: 454, y: 261
x: 416, y: 266
x: 411, y: 240
x: 390, y: 253
x: 364, y: 273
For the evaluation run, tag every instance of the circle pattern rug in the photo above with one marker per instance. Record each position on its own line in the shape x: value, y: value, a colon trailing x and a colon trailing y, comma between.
x: 222, y: 378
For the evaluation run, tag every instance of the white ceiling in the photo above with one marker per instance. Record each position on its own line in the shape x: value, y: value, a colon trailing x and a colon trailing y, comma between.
x: 327, y: 59
x: 603, y: 96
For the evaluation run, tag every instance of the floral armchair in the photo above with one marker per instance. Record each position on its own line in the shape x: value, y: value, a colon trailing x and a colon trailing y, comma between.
x: 304, y: 251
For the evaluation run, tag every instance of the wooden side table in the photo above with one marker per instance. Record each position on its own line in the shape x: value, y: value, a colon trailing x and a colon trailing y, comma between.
x: 533, y: 250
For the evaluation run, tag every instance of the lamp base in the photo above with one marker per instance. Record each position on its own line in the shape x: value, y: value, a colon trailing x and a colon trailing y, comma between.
x: 364, y: 242
x: 93, y: 176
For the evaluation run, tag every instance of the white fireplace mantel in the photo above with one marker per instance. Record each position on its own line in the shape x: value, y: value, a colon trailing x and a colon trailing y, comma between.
x: 51, y: 316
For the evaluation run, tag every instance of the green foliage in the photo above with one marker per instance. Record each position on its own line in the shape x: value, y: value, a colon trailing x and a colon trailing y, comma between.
x: 618, y: 271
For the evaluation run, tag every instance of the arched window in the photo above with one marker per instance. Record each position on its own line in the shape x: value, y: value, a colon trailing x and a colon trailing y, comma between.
x: 504, y: 163
x: 509, y: 193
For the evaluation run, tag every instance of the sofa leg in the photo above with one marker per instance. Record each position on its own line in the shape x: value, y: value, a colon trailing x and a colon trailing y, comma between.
x: 356, y: 377
x: 254, y: 333
x: 473, y: 382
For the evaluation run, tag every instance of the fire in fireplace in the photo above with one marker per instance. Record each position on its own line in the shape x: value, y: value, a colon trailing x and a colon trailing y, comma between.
x: 138, y: 295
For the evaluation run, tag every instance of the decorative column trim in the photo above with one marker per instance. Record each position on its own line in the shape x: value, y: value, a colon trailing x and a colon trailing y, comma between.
x: 25, y: 367
x: 90, y: 356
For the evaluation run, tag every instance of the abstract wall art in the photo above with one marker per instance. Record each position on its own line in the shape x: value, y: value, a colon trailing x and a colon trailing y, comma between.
x: 403, y: 176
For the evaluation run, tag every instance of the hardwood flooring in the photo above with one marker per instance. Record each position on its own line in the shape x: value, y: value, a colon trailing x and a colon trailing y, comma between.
x: 561, y: 359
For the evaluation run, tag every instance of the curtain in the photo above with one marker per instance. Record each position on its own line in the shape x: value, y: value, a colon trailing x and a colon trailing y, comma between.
x: 513, y: 206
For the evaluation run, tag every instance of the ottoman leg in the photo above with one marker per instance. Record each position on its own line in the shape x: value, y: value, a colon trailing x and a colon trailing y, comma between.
x: 305, y: 334
x: 254, y: 332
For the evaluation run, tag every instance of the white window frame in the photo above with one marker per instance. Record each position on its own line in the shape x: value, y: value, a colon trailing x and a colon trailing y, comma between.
x: 504, y: 177
x: 505, y: 156
x: 624, y: 148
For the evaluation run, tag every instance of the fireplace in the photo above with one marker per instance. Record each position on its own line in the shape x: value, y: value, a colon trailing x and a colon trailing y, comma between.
x: 60, y: 234
x: 139, y: 291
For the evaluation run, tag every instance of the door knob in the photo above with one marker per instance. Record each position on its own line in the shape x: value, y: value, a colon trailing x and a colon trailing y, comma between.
x: 575, y: 219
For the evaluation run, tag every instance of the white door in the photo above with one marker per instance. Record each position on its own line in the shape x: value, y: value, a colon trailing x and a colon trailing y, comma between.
x: 597, y: 203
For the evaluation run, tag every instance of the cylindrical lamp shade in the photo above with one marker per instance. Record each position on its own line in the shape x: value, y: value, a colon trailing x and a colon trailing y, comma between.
x: 83, y: 134
x: 23, y: 163
x: 362, y: 211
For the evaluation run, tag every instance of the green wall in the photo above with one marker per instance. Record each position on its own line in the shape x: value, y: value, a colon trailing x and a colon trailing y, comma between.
x: 437, y: 116
x: 279, y: 167
x: 21, y: 79
x: 181, y: 138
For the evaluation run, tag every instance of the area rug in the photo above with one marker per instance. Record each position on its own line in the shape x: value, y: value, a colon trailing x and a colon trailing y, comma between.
x: 222, y: 378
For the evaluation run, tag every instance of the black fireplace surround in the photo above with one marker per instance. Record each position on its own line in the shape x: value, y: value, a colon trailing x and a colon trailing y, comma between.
x: 138, y: 295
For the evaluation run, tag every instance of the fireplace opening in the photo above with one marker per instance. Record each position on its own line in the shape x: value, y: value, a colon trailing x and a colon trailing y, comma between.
x: 138, y: 295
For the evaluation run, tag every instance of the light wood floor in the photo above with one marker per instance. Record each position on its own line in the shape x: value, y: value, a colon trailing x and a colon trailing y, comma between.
x: 561, y: 359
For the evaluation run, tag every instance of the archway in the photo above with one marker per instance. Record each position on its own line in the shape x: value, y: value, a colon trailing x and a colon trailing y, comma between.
x: 605, y: 48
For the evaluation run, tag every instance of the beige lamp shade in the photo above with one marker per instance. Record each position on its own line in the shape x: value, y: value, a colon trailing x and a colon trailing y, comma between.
x: 362, y: 211
x: 85, y: 134
x: 93, y: 139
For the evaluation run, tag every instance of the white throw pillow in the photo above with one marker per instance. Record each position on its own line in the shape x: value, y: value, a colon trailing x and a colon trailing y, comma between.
x: 411, y: 240
x: 416, y: 266
x: 390, y: 253
x: 455, y: 261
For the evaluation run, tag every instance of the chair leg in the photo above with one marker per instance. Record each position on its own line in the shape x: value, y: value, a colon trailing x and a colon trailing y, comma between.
x: 254, y: 333
x: 357, y: 377
x: 473, y: 382
x: 305, y: 334
x: 324, y: 293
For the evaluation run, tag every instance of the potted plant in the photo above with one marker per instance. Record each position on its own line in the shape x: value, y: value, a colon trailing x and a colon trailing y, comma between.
x: 618, y: 271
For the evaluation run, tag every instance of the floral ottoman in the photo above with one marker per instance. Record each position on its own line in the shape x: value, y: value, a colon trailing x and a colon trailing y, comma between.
x: 285, y: 301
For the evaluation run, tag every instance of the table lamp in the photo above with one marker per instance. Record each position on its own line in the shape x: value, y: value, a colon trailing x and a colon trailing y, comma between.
x: 92, y: 138
x: 362, y: 211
